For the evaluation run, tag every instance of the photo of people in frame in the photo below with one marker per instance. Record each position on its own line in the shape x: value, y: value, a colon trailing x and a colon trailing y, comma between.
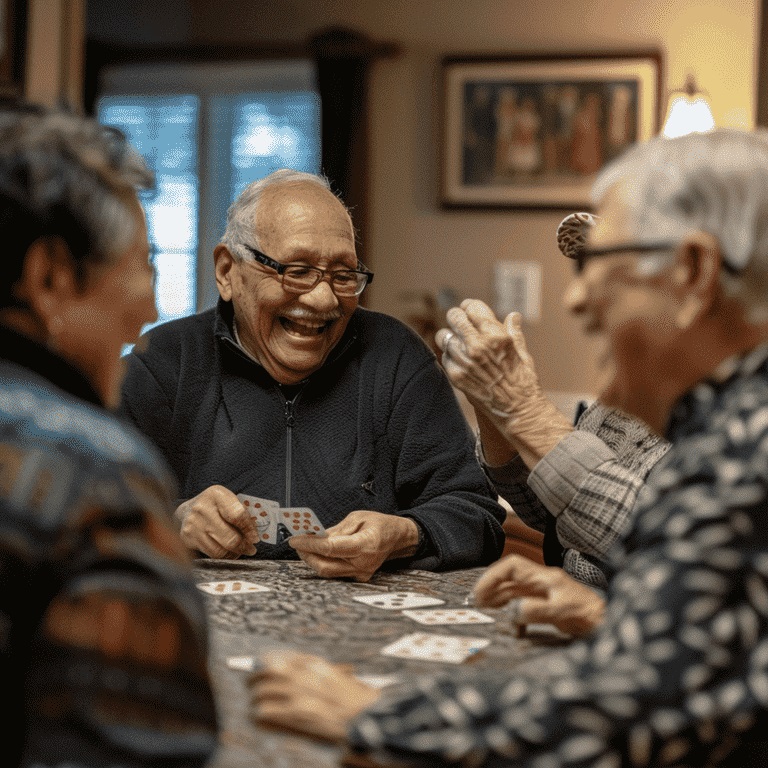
x: 533, y: 132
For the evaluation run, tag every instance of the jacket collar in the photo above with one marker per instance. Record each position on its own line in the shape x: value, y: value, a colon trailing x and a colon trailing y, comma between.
x: 223, y: 331
x: 20, y: 349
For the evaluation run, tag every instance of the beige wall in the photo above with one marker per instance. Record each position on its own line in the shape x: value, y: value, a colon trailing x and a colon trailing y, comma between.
x: 413, y: 243
x: 55, y: 52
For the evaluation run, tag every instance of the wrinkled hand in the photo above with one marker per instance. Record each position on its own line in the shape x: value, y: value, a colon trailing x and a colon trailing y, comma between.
x: 303, y: 693
x: 489, y: 361
x: 215, y: 523
x: 546, y: 595
x: 358, y: 545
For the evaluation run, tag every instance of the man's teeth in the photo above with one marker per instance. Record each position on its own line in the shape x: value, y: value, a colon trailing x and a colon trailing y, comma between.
x: 303, y: 329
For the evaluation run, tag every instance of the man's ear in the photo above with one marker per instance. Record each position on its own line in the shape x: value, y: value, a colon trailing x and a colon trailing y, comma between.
x: 223, y: 262
x: 696, y: 275
x: 48, y: 281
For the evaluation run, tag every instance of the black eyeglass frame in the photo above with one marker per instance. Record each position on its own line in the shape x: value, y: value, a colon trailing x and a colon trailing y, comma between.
x: 264, y: 260
x: 586, y: 253
x: 609, y: 250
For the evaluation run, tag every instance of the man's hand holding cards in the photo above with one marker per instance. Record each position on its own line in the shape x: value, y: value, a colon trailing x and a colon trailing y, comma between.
x: 215, y: 523
x: 275, y: 523
x: 222, y: 525
x: 358, y: 545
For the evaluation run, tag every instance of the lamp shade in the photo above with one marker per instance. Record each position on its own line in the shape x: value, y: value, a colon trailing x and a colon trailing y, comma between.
x: 688, y: 111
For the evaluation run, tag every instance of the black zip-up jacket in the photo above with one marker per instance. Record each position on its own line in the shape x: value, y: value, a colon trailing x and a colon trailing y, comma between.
x: 377, y: 427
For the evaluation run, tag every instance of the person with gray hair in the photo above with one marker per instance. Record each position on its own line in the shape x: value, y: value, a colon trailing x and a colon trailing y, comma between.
x: 288, y: 391
x: 576, y: 483
x: 677, y: 672
x: 103, y: 635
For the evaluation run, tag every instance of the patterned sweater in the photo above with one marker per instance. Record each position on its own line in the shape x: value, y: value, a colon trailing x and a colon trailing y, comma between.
x: 103, y: 640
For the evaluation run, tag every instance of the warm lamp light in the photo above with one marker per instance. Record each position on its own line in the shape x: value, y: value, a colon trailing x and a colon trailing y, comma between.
x: 688, y: 111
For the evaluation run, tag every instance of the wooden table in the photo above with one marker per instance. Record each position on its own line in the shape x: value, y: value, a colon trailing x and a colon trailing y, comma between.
x: 314, y: 615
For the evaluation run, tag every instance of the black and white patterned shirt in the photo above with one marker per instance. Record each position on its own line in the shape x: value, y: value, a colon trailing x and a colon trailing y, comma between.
x: 678, y: 672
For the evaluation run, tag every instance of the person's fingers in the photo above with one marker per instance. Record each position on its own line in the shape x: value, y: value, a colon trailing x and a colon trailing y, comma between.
x: 231, y: 539
x: 206, y: 544
x: 482, y: 316
x: 534, y: 610
x: 512, y: 577
x: 233, y: 512
x: 299, y: 716
x: 501, y: 571
x: 514, y: 326
x: 326, y: 567
x: 340, y: 546
x: 282, y: 660
x: 352, y: 523
x: 442, y: 337
x: 460, y: 324
x: 497, y: 598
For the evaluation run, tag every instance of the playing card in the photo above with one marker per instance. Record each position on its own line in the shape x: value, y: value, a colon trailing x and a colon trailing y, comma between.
x: 426, y: 647
x: 231, y: 587
x: 436, y: 616
x: 396, y: 601
x: 545, y: 631
x: 264, y: 512
x: 379, y: 681
x: 300, y: 520
x: 241, y: 663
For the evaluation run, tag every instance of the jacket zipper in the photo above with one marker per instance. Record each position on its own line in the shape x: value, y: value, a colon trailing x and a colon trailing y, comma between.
x: 289, y: 420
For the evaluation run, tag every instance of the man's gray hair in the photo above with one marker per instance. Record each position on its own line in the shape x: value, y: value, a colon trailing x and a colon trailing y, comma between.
x: 714, y: 182
x: 241, y: 216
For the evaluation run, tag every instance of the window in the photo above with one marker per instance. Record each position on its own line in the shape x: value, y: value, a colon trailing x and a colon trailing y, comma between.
x: 208, y: 131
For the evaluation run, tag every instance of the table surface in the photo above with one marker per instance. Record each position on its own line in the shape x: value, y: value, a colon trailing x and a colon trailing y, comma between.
x: 309, y: 614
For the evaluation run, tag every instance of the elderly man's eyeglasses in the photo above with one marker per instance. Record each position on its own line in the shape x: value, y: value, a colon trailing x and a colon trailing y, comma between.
x: 299, y: 278
x: 585, y: 254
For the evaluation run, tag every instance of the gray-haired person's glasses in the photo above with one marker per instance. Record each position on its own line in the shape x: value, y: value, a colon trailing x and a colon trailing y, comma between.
x: 585, y: 254
x: 299, y: 278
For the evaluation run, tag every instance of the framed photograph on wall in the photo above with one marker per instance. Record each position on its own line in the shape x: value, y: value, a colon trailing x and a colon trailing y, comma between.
x: 532, y: 131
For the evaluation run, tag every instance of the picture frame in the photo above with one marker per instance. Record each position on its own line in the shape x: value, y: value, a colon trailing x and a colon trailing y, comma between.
x: 533, y: 131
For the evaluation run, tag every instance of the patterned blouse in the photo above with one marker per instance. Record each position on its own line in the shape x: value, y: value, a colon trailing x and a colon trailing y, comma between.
x: 678, y: 673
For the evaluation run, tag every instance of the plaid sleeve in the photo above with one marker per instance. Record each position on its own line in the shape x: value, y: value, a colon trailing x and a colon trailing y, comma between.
x: 590, y: 481
x: 511, y: 483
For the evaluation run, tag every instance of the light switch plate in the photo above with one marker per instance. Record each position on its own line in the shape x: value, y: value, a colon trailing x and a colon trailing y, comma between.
x: 518, y: 289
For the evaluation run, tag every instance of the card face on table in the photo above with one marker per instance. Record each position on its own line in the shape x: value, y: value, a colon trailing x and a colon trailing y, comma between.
x: 378, y: 681
x: 396, y: 601
x: 242, y: 663
x: 231, y: 587
x: 427, y: 647
x: 437, y: 616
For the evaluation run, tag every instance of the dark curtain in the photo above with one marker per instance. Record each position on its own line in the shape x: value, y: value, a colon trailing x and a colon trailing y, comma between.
x: 343, y: 58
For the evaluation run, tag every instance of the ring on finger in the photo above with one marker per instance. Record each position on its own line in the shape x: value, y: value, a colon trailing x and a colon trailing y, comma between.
x: 447, y: 340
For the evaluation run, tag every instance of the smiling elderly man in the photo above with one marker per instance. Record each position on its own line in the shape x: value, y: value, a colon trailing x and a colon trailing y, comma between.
x: 287, y: 390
